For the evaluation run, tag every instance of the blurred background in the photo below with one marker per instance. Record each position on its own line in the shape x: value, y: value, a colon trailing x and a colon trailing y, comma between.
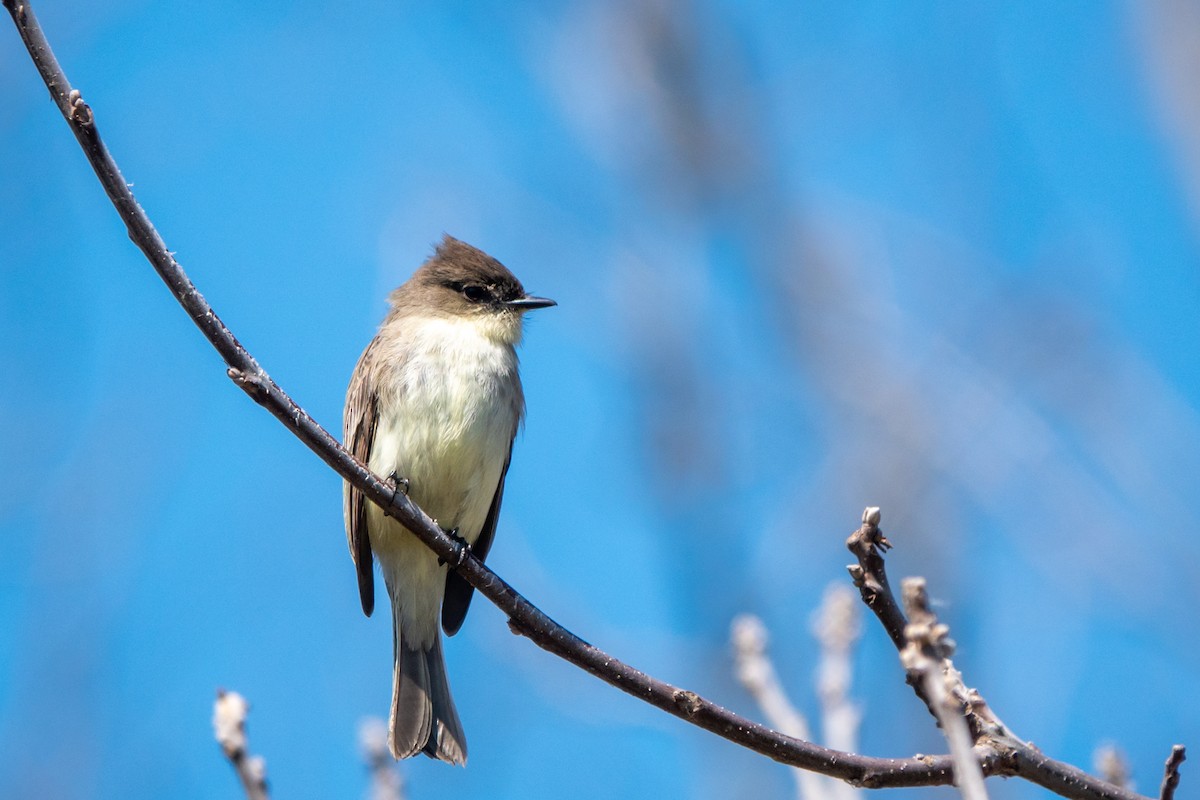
x: 809, y: 257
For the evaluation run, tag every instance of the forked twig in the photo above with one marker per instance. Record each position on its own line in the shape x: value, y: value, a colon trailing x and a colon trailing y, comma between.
x: 993, y: 740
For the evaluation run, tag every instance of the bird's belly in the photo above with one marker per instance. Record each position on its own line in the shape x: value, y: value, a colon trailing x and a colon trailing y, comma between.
x: 447, y: 429
x: 448, y: 409
x: 450, y: 438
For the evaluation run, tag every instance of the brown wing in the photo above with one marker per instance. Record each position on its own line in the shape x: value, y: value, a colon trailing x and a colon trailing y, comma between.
x: 458, y: 592
x: 358, y: 432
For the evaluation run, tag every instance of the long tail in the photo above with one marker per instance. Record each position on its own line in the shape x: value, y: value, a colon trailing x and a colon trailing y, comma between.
x: 424, y: 719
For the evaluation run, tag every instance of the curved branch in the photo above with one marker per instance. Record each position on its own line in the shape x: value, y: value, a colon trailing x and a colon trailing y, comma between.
x: 524, y: 617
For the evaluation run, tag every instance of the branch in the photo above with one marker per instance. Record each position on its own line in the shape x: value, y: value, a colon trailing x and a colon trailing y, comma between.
x: 836, y: 626
x: 1171, y: 772
x: 868, y: 545
x: 524, y: 618
x: 870, y: 576
x: 229, y: 728
x: 757, y: 674
x: 386, y: 781
x: 927, y: 654
x: 992, y: 738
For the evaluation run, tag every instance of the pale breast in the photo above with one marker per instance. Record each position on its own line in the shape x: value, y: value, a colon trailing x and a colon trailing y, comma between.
x: 448, y: 414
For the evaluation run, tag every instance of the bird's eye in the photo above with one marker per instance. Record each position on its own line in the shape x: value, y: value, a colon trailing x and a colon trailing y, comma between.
x: 476, y: 294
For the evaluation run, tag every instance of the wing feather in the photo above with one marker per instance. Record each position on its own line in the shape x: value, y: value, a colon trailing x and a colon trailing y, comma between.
x: 458, y: 594
x: 358, y: 430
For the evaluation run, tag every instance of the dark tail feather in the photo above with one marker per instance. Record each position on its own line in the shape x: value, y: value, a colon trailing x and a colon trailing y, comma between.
x: 423, y: 715
x: 447, y: 741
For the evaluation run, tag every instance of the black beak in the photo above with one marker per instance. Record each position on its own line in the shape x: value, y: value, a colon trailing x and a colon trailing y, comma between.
x: 528, y: 303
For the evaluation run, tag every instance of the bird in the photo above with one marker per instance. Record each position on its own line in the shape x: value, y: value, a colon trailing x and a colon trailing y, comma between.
x: 434, y: 403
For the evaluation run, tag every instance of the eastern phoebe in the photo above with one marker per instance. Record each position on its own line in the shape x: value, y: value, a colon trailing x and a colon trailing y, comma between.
x: 434, y: 403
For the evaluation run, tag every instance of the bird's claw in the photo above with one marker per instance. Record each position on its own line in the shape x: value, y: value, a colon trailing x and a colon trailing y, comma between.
x: 399, y: 485
x: 461, y: 548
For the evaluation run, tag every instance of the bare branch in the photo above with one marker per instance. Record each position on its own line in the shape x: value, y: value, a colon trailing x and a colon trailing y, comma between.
x: 992, y: 737
x: 386, y: 781
x: 836, y: 626
x: 757, y: 674
x: 869, y: 544
x: 229, y: 727
x: 870, y: 576
x: 1171, y: 772
x: 927, y: 654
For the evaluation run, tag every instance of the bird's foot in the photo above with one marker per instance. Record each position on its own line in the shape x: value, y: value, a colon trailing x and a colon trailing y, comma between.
x: 399, y: 485
x: 461, y: 548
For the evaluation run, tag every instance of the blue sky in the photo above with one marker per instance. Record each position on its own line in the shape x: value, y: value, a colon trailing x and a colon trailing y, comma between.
x: 808, y: 258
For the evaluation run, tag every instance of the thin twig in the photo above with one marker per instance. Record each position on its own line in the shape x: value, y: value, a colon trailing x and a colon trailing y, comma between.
x: 524, y: 618
x: 993, y: 739
x: 927, y: 655
x: 386, y: 781
x: 837, y: 628
x: 1171, y: 772
x: 229, y: 728
x: 870, y: 576
x: 868, y: 544
x: 757, y: 674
